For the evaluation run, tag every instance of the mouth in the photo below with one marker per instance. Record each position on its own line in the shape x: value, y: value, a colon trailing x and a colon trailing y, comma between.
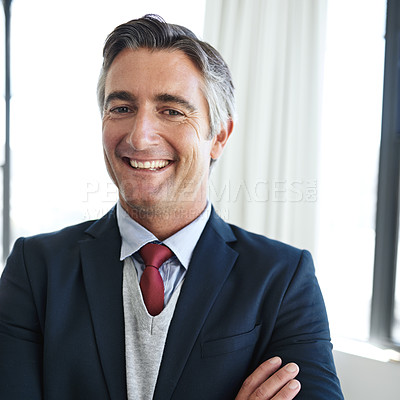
x: 150, y: 165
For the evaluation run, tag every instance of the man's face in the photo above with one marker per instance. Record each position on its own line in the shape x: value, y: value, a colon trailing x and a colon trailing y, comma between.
x: 155, y: 132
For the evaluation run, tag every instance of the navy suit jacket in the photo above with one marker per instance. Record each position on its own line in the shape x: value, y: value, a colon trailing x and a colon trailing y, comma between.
x: 245, y: 299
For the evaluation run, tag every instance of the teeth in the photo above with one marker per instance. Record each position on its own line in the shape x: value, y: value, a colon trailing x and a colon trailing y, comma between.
x: 154, y: 164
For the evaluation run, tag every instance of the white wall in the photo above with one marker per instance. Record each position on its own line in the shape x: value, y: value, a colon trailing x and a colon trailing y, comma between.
x: 367, y: 379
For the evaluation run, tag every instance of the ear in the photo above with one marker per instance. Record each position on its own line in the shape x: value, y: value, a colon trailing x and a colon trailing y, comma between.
x: 220, y: 139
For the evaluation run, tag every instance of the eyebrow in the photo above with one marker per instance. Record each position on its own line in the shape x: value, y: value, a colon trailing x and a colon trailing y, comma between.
x: 119, y: 95
x: 170, y: 98
x: 164, y: 97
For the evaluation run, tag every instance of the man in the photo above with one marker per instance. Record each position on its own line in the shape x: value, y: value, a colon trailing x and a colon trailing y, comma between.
x: 221, y: 314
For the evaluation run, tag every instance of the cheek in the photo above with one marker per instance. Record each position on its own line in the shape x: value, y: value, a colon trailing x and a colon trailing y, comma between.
x: 201, y: 158
x: 104, y: 135
x: 109, y: 139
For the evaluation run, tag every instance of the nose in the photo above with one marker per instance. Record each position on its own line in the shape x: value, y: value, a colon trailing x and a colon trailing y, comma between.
x: 143, y: 132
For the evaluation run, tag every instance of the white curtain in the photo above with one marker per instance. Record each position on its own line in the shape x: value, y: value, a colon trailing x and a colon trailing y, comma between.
x: 267, y: 178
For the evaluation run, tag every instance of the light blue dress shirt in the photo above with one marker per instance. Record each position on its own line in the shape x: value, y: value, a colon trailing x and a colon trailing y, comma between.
x: 134, y: 236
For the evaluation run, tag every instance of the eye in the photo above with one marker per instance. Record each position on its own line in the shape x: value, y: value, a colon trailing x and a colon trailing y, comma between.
x: 120, y: 110
x: 173, y: 113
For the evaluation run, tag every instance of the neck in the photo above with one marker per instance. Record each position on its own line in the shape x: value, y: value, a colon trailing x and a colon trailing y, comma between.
x: 164, y: 222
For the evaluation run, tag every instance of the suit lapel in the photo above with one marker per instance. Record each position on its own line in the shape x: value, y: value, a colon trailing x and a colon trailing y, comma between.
x: 102, y: 273
x: 211, y: 264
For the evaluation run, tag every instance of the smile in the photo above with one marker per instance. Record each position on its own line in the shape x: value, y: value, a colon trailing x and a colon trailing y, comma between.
x: 152, y: 165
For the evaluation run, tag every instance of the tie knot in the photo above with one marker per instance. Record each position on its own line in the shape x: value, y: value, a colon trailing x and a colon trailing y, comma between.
x: 154, y: 254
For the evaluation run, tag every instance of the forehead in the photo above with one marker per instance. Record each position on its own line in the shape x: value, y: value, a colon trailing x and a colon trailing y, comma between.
x: 145, y: 69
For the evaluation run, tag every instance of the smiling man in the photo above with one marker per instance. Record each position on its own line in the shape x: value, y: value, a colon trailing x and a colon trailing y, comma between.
x: 156, y: 138
x: 161, y: 299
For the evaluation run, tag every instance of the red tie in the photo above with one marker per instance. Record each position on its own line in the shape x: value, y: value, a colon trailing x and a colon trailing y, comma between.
x: 151, y: 283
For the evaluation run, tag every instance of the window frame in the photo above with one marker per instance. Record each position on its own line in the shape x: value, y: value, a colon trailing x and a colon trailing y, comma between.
x: 387, y: 212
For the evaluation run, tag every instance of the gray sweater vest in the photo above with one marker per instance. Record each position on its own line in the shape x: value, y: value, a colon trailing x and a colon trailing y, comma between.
x: 144, y: 336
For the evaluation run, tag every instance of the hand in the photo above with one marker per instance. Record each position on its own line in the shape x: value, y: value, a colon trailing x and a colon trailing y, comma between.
x: 270, y: 382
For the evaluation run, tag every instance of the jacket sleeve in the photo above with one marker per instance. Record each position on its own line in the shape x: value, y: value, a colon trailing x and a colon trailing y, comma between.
x: 21, y: 341
x: 301, y: 335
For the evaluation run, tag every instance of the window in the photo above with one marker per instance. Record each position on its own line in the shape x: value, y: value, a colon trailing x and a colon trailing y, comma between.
x: 347, y: 185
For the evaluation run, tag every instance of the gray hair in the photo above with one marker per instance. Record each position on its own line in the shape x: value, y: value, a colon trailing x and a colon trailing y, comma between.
x: 152, y: 32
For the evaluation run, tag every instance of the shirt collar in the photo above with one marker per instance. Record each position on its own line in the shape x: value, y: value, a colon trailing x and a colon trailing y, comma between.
x: 182, y: 243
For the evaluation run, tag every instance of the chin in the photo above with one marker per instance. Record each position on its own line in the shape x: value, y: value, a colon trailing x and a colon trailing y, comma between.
x: 142, y: 208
